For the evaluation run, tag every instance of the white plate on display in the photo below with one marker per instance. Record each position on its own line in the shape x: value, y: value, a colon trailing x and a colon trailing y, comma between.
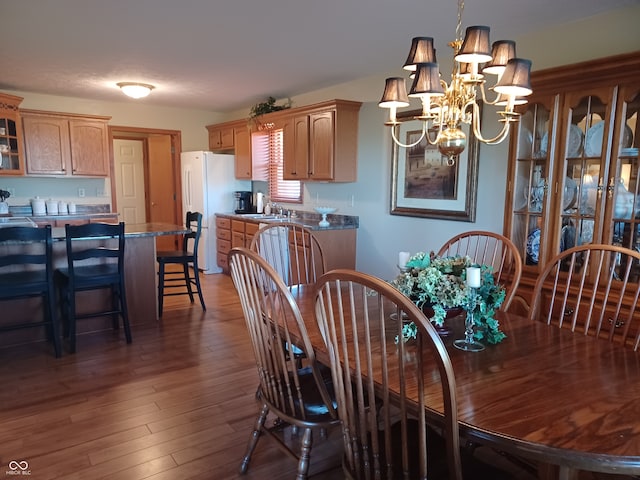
x: 570, y: 194
x: 544, y: 141
x: 525, y: 140
x: 521, y: 195
x: 574, y: 144
x: 533, y: 246
x: 587, y: 232
x: 536, y: 196
x: 593, y: 141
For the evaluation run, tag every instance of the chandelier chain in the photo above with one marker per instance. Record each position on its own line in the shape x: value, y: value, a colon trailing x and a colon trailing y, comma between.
x: 459, y: 24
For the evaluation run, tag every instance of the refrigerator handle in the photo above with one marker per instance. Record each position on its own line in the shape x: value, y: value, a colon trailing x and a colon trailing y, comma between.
x: 187, y: 183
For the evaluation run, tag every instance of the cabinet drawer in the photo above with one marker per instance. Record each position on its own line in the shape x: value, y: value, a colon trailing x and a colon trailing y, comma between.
x: 224, y: 246
x: 237, y: 225
x: 223, y: 223
x: 237, y: 239
x: 223, y: 234
x: 251, y: 228
x: 223, y: 261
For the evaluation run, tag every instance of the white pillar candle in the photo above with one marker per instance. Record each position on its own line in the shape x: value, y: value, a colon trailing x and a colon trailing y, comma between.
x: 473, y: 277
x: 403, y: 258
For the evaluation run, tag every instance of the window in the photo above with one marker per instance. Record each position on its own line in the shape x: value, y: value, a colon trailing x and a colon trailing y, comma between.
x: 267, y: 149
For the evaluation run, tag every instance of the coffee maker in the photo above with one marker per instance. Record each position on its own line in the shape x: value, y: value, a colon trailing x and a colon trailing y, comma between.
x: 244, y: 202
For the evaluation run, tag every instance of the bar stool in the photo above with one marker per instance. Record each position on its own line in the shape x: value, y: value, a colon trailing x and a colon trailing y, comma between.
x: 93, y: 267
x: 26, y: 270
x: 186, y: 258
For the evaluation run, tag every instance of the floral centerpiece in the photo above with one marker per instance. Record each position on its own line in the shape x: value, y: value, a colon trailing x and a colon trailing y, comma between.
x: 440, y: 283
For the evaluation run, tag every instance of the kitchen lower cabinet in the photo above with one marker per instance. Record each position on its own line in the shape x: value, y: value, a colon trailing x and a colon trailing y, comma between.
x: 338, y: 246
x: 65, y: 144
x: 223, y: 242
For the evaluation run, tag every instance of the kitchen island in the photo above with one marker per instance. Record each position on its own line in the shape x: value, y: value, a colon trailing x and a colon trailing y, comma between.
x: 140, y: 281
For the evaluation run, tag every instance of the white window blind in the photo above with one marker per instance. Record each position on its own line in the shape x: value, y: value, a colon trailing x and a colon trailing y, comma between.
x: 267, y: 145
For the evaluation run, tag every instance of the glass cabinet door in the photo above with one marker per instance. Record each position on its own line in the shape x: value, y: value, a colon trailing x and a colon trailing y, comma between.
x: 584, y: 157
x: 623, y: 191
x: 530, y: 180
x: 10, y: 135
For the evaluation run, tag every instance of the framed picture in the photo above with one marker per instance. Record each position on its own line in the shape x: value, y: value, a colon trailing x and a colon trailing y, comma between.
x: 423, y: 184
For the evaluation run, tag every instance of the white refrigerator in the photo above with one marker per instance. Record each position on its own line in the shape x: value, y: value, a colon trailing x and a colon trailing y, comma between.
x: 208, y: 183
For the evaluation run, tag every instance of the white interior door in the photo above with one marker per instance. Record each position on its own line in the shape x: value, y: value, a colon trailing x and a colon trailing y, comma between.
x: 128, y: 156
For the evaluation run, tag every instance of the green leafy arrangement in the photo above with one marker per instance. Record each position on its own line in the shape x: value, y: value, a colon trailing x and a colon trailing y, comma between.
x: 267, y: 107
x: 440, y: 282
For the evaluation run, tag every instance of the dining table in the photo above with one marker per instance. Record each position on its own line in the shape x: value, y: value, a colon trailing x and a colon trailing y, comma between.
x: 563, y: 400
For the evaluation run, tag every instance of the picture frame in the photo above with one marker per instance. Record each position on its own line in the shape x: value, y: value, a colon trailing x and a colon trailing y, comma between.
x: 422, y: 185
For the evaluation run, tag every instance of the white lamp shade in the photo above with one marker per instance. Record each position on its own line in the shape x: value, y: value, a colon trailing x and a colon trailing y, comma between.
x: 135, y: 90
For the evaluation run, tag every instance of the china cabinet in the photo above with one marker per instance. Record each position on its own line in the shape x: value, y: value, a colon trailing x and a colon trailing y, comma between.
x: 65, y: 144
x: 10, y: 135
x: 573, y: 162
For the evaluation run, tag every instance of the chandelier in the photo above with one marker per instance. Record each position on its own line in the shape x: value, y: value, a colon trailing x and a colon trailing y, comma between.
x: 446, y: 107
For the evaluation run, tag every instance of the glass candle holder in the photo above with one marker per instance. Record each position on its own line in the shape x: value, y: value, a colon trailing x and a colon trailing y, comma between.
x: 468, y: 343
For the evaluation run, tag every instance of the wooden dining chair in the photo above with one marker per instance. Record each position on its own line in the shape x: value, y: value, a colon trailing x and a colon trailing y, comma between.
x: 187, y: 278
x: 594, y: 290
x: 301, y: 397
x: 95, y: 261
x: 390, y: 435
x: 490, y: 249
x: 26, y: 270
x: 292, y: 250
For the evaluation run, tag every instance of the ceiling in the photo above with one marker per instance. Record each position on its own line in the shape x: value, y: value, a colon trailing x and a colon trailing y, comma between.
x: 225, y: 55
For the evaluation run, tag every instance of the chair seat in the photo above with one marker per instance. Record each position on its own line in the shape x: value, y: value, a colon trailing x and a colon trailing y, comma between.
x: 315, y: 409
x: 91, y: 276
x: 25, y: 283
x: 174, y: 256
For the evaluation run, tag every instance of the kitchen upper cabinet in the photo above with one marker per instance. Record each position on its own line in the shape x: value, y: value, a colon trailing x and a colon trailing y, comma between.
x: 65, y: 144
x: 320, y: 142
x: 221, y: 136
x: 573, y: 173
x: 242, y: 151
x: 11, y: 162
x: 239, y: 140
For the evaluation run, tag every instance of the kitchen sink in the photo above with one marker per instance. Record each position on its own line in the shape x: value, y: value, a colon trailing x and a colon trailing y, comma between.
x: 261, y: 216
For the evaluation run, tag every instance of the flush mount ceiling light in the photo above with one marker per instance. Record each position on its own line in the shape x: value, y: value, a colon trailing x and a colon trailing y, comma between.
x: 135, y: 90
x: 446, y: 107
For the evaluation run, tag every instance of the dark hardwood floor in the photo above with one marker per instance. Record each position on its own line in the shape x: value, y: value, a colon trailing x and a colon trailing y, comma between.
x: 178, y: 403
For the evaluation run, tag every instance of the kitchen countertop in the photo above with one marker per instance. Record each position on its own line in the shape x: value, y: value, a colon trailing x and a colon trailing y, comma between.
x: 309, y: 220
x: 136, y: 230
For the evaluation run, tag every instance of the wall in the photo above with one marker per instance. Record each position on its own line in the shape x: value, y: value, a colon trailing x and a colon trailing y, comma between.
x: 127, y: 113
x: 382, y: 235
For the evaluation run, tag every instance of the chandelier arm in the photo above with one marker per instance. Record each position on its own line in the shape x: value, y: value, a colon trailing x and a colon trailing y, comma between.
x: 409, y: 145
x: 436, y: 138
x: 489, y: 141
x: 484, y: 96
